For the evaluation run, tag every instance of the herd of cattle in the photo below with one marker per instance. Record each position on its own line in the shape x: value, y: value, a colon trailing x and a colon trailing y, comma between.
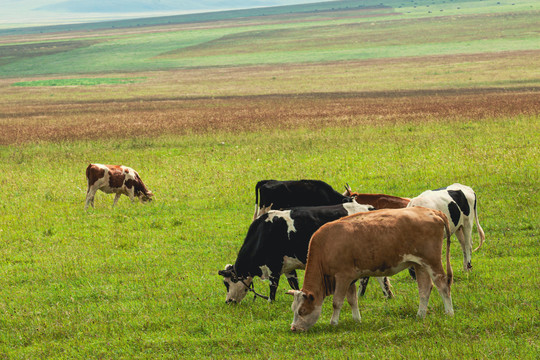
x: 337, y: 238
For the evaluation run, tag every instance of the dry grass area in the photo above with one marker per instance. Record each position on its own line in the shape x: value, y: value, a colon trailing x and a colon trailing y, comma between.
x: 435, y: 88
x: 129, y: 118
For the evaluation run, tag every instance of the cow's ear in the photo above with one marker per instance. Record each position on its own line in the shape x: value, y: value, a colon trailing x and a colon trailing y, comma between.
x: 224, y: 273
x: 291, y: 292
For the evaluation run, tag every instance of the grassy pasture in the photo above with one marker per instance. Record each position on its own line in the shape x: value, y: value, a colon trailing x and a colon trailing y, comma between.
x: 140, y: 281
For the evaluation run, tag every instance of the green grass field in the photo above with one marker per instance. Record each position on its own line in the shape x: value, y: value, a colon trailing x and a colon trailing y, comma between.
x: 205, y: 109
x: 141, y: 281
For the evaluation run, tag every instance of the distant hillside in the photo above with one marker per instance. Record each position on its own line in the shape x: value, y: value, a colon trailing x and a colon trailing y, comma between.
x: 138, y: 20
x: 133, y: 6
x: 32, y: 13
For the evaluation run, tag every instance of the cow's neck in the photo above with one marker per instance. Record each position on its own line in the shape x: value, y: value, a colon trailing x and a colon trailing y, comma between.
x: 316, y: 283
x: 246, y: 271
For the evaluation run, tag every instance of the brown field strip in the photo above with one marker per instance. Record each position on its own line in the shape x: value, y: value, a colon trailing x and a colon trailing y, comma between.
x: 156, y: 117
x: 254, y: 98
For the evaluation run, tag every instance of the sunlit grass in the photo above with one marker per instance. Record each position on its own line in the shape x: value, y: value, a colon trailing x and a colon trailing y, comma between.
x: 141, y: 280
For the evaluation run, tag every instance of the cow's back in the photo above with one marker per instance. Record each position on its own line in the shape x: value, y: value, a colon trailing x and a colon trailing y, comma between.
x: 453, y: 200
x: 294, y: 193
x: 362, y: 239
x: 381, y: 201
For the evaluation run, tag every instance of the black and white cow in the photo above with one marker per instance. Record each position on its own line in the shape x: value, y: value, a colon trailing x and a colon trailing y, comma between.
x: 458, y: 203
x: 277, y: 243
x: 294, y: 193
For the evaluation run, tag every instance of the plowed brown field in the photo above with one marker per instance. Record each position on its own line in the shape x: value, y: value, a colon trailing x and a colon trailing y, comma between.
x: 350, y: 93
x: 128, y: 118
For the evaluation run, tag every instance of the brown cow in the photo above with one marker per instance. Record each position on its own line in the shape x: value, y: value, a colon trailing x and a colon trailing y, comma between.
x: 377, y: 243
x: 378, y: 201
x: 116, y: 179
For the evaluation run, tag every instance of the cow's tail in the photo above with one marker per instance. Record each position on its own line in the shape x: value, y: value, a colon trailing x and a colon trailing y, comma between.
x: 449, y: 273
x: 480, y: 230
x: 257, y: 187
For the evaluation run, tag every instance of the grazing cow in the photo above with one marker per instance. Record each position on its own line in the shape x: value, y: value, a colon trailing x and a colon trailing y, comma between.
x: 277, y: 243
x: 294, y: 193
x: 376, y: 243
x: 116, y: 179
x: 458, y: 203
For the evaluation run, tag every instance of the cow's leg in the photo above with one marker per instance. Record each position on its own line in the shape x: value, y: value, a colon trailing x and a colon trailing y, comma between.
x: 385, y: 286
x: 441, y: 282
x: 424, y: 289
x: 362, y: 284
x: 274, y: 283
x: 116, y: 197
x: 412, y: 273
x: 90, y: 193
x: 342, y: 287
x: 464, y: 236
x: 292, y: 278
x: 131, y: 194
x: 352, y: 299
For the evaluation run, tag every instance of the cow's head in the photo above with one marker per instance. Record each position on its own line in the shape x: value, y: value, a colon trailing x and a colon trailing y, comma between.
x: 145, y: 197
x: 306, y: 312
x: 237, y: 288
x: 264, y: 210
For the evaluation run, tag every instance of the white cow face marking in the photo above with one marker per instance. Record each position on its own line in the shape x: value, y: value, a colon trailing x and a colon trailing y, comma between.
x: 236, y: 289
x: 305, y: 312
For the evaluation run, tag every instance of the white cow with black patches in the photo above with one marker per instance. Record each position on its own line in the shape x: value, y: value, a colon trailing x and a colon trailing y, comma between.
x: 277, y: 243
x: 458, y: 202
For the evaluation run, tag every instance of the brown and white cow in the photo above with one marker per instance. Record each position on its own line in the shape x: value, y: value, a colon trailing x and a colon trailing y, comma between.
x: 117, y: 179
x: 376, y: 243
